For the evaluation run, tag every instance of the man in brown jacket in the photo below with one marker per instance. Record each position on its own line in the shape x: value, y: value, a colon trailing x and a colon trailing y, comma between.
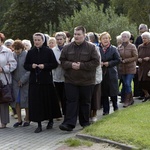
x: 79, y: 60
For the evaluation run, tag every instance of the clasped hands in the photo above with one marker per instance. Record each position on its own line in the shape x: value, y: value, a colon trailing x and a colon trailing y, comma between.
x: 41, y: 66
x: 76, y: 65
x: 145, y: 59
x: 106, y: 64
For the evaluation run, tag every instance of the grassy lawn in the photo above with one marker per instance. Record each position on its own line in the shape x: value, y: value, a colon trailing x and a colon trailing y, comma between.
x: 130, y: 126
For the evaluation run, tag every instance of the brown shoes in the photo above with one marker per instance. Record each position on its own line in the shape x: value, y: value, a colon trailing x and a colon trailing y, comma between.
x: 128, y: 100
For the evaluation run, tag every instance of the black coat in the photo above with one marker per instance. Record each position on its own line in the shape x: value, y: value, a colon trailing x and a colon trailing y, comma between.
x: 43, y: 102
x: 45, y: 56
x: 110, y: 75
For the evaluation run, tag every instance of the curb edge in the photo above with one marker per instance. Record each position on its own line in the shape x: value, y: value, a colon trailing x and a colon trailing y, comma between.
x: 100, y: 140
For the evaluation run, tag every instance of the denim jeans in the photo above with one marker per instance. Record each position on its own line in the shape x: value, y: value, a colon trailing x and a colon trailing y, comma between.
x: 127, y: 79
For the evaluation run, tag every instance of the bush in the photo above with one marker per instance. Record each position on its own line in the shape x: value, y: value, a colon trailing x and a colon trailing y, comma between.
x: 94, y: 19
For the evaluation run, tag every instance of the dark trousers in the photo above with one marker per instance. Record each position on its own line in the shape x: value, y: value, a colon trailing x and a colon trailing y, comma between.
x: 137, y: 89
x: 61, y: 95
x: 106, y: 105
x: 78, y: 102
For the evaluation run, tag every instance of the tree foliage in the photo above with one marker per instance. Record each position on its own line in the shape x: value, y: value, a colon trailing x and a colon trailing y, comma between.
x: 94, y: 19
x: 26, y: 17
x: 4, y: 6
x: 138, y: 11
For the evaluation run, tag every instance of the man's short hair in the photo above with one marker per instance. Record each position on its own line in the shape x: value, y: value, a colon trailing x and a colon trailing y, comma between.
x: 80, y: 28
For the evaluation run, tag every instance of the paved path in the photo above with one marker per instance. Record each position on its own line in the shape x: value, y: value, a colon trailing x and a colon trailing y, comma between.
x: 24, y: 138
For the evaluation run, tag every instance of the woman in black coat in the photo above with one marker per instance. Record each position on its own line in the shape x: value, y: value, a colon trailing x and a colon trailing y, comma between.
x: 43, y: 103
x: 110, y: 59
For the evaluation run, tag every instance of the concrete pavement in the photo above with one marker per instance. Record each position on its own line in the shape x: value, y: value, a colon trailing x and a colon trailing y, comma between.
x: 24, y: 138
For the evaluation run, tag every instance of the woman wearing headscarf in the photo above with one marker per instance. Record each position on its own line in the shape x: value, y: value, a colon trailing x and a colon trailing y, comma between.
x: 43, y: 104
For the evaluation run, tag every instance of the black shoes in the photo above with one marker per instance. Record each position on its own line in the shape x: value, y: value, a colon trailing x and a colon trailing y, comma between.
x: 38, y: 130
x: 49, y: 125
x: 84, y: 126
x: 65, y: 127
x: 26, y: 124
x: 105, y: 113
x: 17, y: 124
x: 146, y: 99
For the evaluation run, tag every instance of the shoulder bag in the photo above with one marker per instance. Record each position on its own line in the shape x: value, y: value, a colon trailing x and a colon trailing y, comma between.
x: 6, y: 91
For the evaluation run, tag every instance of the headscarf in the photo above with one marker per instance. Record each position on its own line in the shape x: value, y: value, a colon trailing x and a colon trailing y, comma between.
x: 41, y: 34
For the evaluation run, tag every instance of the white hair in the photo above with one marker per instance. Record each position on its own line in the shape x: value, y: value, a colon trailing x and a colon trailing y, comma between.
x: 118, y: 37
x: 27, y: 42
x: 146, y: 34
x: 127, y: 33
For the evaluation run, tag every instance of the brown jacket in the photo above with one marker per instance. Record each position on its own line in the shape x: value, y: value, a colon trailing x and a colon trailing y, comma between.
x: 129, y: 54
x: 87, y: 55
x: 144, y: 67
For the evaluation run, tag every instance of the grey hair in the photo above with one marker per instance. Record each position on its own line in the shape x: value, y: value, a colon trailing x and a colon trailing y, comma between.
x: 147, y: 34
x: 127, y: 33
x: 143, y: 26
x: 63, y: 34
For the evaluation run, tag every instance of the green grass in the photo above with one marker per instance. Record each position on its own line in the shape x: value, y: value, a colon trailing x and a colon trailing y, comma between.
x: 73, y: 142
x: 130, y: 126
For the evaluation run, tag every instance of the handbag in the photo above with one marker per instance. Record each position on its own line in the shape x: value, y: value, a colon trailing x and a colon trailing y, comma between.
x: 6, y: 92
x: 148, y: 74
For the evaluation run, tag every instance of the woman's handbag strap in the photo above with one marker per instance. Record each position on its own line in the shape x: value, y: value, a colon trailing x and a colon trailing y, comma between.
x: 5, y: 75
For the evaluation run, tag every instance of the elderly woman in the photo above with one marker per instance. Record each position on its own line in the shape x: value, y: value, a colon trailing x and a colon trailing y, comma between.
x: 110, y: 59
x: 52, y: 42
x: 58, y: 73
x: 27, y: 44
x: 96, y: 97
x: 8, y: 64
x: 144, y: 65
x: 43, y: 103
x: 20, y: 83
x: 142, y: 28
x: 8, y: 43
x: 127, y: 68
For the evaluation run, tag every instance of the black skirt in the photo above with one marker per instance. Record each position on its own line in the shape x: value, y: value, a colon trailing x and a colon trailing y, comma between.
x: 43, y: 102
x: 145, y: 85
x: 96, y: 98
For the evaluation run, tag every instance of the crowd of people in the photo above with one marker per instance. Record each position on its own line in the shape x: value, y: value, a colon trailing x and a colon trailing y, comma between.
x: 73, y: 77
